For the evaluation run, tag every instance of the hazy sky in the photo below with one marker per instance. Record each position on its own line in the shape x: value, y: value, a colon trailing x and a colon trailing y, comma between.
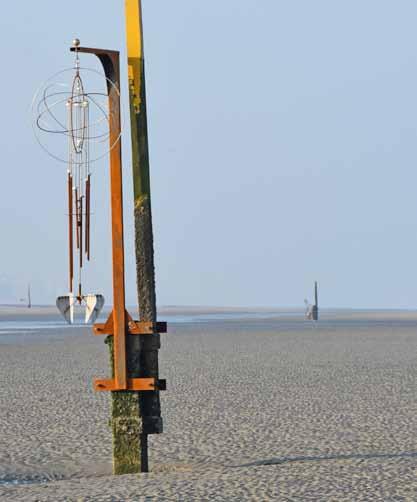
x: 283, y: 138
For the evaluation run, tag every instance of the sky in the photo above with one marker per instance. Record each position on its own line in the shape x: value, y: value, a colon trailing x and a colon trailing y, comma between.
x: 283, y: 148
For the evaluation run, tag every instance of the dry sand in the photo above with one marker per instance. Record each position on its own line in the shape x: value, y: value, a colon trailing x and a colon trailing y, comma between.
x: 262, y: 409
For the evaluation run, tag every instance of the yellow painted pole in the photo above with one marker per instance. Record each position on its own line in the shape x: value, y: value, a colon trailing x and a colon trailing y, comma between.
x: 137, y: 94
x: 135, y: 415
x: 134, y: 32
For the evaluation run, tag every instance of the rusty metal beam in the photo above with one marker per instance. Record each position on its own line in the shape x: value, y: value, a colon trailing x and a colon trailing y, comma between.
x: 111, y: 65
x: 136, y: 384
x: 134, y: 328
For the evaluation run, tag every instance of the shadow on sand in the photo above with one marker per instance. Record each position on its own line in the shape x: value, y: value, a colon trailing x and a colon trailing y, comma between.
x: 323, y: 458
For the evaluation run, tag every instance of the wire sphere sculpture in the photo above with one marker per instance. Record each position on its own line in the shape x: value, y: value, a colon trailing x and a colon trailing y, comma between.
x: 68, y: 119
x: 73, y: 126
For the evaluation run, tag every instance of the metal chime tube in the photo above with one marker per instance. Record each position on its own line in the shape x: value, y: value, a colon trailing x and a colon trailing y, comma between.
x: 87, y: 215
x: 70, y: 233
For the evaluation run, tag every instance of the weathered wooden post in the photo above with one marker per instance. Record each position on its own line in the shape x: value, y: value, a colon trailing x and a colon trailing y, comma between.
x: 316, y: 303
x: 146, y: 347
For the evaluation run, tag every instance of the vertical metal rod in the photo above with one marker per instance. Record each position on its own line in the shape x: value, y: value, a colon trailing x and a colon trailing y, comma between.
x: 80, y: 224
x: 77, y: 218
x: 70, y: 233
x: 119, y: 309
x: 87, y: 216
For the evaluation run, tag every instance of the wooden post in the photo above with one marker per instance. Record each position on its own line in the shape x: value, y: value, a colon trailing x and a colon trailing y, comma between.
x: 144, y: 349
x: 316, y: 303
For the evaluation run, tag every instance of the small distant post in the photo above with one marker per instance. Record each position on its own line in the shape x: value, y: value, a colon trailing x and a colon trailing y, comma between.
x: 316, y: 303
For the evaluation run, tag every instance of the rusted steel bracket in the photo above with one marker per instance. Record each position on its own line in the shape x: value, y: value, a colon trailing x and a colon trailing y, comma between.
x: 137, y: 384
x: 132, y: 328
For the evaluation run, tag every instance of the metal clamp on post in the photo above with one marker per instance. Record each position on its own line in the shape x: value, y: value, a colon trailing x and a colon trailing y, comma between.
x: 137, y: 384
x: 121, y: 380
x: 132, y: 328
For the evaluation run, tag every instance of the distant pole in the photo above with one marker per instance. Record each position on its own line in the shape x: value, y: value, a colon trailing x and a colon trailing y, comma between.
x: 316, y: 303
x: 29, y: 298
x: 146, y: 347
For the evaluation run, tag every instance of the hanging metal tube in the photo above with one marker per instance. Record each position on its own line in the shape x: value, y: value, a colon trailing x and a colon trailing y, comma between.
x: 81, y: 232
x: 87, y: 215
x: 77, y: 219
x: 70, y: 233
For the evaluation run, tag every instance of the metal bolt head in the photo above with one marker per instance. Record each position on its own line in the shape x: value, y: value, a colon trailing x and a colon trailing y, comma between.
x: 76, y: 42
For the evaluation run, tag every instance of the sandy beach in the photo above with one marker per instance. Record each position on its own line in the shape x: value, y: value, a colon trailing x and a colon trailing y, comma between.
x: 264, y: 407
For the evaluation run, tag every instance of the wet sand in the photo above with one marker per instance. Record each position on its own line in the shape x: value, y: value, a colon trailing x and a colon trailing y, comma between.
x: 263, y: 408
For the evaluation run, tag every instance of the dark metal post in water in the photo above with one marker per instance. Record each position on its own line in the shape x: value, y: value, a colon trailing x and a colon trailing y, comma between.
x: 316, y: 303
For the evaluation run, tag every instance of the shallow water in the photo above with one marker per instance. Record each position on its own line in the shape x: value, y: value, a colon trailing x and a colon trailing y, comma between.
x: 26, y: 326
x: 32, y: 323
